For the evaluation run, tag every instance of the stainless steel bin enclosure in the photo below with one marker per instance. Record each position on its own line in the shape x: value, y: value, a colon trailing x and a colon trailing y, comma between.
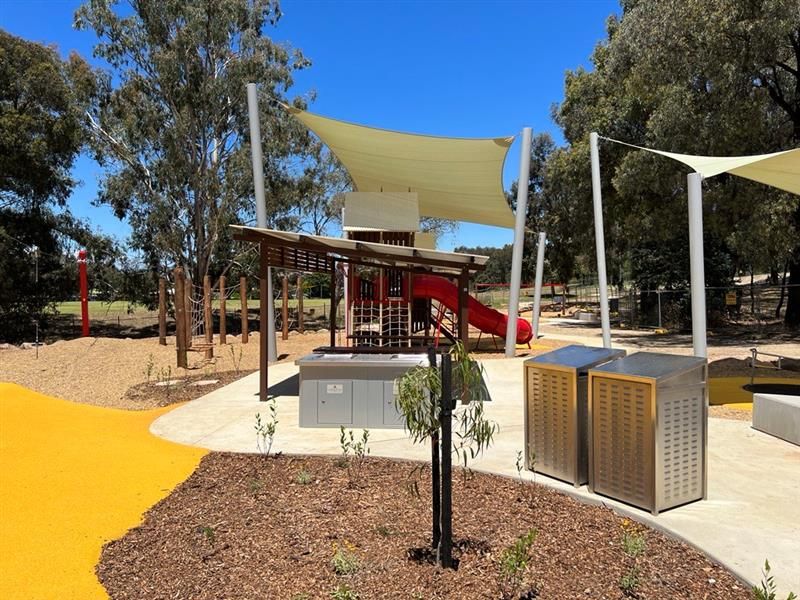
x: 556, y: 410
x: 649, y: 422
x: 354, y: 390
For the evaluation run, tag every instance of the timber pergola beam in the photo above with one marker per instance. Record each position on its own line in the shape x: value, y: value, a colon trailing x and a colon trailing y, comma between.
x: 321, y: 254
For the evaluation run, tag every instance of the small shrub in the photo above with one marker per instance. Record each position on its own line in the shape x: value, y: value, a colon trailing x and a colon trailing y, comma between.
x: 767, y: 590
x: 304, y: 477
x: 630, y: 581
x: 208, y: 534
x: 514, y: 562
x: 265, y: 431
x: 383, y: 531
x: 165, y: 377
x: 343, y: 592
x: 354, y: 453
x: 149, y: 368
x: 236, y: 358
x: 255, y: 486
x: 633, y: 545
x: 344, y: 561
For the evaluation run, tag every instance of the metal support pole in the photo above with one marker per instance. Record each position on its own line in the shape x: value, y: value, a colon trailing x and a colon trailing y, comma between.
x: 519, y: 241
x: 537, y: 291
x: 599, y: 240
x: 658, y: 293
x: 436, y: 479
x: 696, y: 267
x: 445, y: 550
x: 261, y: 209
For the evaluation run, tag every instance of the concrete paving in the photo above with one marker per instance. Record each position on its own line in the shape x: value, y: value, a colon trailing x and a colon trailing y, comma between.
x: 753, y: 506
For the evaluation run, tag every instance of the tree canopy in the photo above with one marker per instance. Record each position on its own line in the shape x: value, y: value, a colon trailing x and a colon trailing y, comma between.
x: 712, y: 77
x: 171, y: 125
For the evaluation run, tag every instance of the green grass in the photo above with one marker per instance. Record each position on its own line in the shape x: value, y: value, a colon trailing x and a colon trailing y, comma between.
x: 99, y: 310
x: 102, y: 310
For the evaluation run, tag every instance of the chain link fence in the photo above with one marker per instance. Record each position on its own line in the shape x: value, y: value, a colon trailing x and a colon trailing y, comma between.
x: 671, y: 309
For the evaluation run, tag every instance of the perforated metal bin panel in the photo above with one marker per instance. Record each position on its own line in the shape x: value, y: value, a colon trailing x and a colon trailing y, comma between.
x: 556, y: 411
x: 648, y: 414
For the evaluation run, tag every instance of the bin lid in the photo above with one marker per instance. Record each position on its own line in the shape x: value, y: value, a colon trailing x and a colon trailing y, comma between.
x: 580, y: 358
x: 654, y: 365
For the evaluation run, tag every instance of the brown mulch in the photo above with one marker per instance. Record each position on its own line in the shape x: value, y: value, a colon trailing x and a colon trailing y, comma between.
x: 243, y: 526
x: 163, y: 391
x: 734, y: 367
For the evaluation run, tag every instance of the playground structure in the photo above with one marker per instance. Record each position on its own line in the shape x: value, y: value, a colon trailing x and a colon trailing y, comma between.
x: 400, y: 294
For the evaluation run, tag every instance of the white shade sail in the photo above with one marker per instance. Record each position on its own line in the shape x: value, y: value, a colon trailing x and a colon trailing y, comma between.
x: 455, y: 178
x: 779, y: 169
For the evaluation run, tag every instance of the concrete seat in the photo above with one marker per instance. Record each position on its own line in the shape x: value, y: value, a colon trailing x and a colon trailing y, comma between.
x: 778, y: 415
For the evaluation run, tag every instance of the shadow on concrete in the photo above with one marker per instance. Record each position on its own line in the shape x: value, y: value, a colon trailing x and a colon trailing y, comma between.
x: 288, y: 387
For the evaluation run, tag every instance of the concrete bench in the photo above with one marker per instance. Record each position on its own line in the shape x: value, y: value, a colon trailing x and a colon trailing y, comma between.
x: 778, y: 415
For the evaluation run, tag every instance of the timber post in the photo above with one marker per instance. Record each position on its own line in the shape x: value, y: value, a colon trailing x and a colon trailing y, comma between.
x: 463, y: 308
x: 223, y: 316
x: 162, y: 311
x: 333, y: 304
x: 300, y: 324
x: 285, y: 308
x: 180, y: 317
x: 188, y: 295
x: 243, y: 298
x: 208, y: 316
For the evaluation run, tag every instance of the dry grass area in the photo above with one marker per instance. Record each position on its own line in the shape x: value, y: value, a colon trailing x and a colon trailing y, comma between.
x: 100, y: 371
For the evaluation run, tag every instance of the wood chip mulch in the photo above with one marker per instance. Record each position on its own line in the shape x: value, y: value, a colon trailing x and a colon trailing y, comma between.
x: 245, y: 526
x: 163, y: 391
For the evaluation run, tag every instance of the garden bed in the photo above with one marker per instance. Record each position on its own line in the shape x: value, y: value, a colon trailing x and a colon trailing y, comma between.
x: 245, y: 526
x: 163, y: 390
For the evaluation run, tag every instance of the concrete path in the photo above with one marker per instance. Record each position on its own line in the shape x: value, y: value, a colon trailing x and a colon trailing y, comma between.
x: 753, y: 506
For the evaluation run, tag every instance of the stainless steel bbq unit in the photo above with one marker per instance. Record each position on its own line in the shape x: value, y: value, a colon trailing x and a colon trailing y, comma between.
x: 649, y: 422
x: 556, y: 410
x: 354, y: 390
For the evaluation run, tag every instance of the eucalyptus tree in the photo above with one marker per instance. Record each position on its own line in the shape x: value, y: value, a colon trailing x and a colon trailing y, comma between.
x: 713, y: 77
x: 42, y: 131
x: 171, y: 125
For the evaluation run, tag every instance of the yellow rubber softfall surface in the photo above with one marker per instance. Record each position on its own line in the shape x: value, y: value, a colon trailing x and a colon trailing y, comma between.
x: 73, y: 477
x: 729, y: 390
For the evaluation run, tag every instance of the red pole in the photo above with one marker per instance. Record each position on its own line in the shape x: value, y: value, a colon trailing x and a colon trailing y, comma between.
x: 84, y: 292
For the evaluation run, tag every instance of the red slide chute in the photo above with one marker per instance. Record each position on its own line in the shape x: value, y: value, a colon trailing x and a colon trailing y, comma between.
x: 482, y: 317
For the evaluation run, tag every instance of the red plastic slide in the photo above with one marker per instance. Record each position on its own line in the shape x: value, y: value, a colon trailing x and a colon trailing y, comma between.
x: 484, y: 318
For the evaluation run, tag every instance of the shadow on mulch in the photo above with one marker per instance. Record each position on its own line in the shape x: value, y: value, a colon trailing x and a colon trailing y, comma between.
x: 245, y: 526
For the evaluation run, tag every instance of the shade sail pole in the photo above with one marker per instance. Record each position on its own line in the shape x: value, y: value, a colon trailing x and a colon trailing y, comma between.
x: 261, y: 208
x: 696, y: 267
x: 599, y: 240
x: 519, y: 239
x: 537, y: 293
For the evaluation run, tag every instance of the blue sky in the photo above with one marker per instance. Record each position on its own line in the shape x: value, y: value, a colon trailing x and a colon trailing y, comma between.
x: 470, y: 69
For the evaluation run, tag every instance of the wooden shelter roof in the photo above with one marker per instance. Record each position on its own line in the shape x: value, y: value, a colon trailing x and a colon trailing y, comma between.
x: 307, y: 252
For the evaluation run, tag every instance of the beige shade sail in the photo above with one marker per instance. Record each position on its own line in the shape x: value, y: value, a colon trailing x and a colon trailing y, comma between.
x: 779, y: 169
x: 455, y: 178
